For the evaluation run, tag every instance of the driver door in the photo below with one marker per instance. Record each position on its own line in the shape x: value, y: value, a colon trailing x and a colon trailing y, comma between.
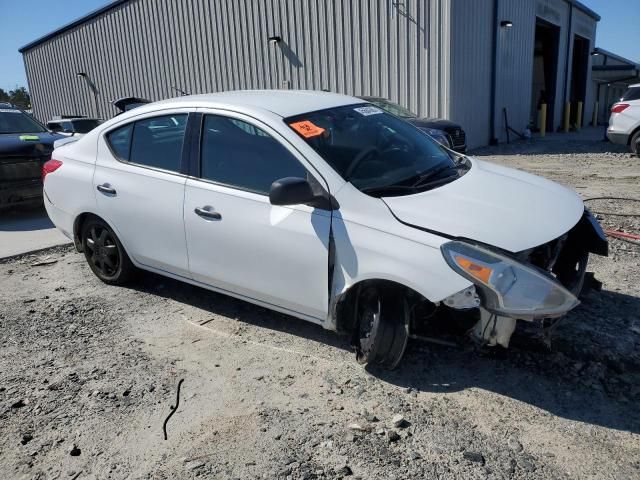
x: 237, y: 241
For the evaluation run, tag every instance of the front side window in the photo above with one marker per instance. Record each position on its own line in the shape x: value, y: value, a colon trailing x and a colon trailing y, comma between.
x: 241, y: 155
x: 375, y: 151
x: 153, y: 142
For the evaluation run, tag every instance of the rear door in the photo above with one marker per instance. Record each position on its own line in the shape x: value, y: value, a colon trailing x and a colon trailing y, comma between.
x: 237, y: 240
x: 139, y: 185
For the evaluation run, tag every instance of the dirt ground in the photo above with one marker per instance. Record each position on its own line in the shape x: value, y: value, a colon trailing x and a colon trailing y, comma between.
x: 88, y: 374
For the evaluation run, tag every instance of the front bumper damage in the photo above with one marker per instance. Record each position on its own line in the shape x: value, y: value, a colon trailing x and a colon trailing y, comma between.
x: 564, y: 258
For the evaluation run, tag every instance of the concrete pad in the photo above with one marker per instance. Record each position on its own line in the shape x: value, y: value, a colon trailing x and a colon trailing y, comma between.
x: 23, y: 230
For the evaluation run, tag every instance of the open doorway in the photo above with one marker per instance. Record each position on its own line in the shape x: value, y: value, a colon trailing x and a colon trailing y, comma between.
x: 545, y: 70
x: 579, y: 71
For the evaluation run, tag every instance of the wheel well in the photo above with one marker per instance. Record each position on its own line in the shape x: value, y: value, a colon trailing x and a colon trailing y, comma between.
x: 637, y: 130
x: 347, y: 304
x: 77, y: 228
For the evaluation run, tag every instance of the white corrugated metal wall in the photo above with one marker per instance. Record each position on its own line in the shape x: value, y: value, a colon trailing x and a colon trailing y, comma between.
x: 395, y: 49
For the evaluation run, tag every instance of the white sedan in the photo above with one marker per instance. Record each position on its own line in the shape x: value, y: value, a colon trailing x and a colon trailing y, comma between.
x: 323, y: 207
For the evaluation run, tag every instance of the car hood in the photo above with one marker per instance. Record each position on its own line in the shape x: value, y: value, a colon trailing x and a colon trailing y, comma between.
x: 12, y: 145
x: 494, y: 205
x: 437, y: 123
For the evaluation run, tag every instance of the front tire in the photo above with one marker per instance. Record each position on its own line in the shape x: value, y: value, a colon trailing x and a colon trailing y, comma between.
x: 105, y: 254
x: 383, y: 327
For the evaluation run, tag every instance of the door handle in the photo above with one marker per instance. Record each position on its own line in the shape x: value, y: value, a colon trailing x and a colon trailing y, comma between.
x: 208, y: 213
x: 106, y: 188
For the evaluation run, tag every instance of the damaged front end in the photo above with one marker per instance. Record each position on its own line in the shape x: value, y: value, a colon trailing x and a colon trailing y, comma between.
x: 541, y: 283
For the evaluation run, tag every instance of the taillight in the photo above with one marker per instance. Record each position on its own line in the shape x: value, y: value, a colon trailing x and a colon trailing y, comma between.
x: 619, y: 107
x: 50, y: 167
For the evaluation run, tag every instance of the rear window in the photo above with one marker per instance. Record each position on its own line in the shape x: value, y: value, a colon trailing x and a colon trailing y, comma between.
x: 631, y: 94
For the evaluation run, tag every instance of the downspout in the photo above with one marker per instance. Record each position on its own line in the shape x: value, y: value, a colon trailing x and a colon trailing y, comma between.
x: 566, y: 62
x: 494, y: 58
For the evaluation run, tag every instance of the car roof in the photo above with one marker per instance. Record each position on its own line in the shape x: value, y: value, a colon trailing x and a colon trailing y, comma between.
x: 285, y: 103
x: 377, y: 99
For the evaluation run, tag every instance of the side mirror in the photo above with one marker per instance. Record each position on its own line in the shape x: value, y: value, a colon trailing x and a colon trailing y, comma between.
x: 298, y: 191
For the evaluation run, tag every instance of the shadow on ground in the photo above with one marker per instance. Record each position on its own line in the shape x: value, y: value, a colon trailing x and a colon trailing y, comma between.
x: 590, y: 375
x: 25, y: 219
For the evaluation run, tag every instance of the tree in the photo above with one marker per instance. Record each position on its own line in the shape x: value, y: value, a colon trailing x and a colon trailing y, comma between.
x: 20, y: 98
x: 4, y: 96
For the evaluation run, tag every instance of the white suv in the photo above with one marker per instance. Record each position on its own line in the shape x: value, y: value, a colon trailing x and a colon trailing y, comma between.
x: 624, y: 124
x: 323, y: 207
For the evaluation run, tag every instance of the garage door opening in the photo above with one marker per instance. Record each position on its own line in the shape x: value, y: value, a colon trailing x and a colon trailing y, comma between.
x: 545, y: 71
x: 579, y: 71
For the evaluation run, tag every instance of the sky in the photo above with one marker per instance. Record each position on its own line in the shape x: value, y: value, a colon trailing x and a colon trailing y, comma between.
x: 23, y: 21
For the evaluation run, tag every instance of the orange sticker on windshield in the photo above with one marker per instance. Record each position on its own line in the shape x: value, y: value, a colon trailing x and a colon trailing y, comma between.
x: 307, y: 129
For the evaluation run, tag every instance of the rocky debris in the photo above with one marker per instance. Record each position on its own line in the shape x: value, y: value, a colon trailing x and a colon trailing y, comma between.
x: 75, y: 451
x: 26, y: 438
x: 514, y: 444
x: 398, y: 421
x: 474, y: 457
x: 393, y: 436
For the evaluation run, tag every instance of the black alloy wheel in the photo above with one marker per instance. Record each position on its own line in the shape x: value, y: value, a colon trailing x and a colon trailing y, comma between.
x: 104, y: 253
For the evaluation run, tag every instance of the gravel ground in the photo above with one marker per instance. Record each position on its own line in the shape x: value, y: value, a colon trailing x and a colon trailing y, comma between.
x: 88, y: 374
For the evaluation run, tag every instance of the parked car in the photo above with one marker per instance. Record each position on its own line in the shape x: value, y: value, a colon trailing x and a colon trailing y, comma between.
x: 323, y: 207
x: 25, y: 145
x: 624, y: 123
x: 73, y: 125
x: 445, y: 132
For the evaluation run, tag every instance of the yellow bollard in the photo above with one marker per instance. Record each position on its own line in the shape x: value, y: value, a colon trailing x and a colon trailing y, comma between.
x: 543, y: 119
x: 579, y: 117
x: 567, y: 116
x: 594, y: 119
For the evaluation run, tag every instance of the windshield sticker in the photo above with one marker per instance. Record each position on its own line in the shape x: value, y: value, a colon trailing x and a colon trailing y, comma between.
x: 29, y: 138
x: 366, y: 111
x: 9, y: 110
x: 307, y: 129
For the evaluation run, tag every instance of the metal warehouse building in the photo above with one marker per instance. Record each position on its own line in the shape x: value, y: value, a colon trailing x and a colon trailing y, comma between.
x: 466, y: 60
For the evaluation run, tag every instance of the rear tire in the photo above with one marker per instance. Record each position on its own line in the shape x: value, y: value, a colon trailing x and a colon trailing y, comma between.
x: 105, y: 254
x: 635, y: 143
x: 383, y: 327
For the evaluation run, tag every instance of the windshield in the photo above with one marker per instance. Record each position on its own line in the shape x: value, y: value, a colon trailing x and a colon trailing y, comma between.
x: 85, y: 126
x: 373, y: 150
x: 392, y: 108
x: 14, y: 121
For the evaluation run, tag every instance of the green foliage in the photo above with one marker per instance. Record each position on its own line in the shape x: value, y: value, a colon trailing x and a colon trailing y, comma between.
x: 18, y: 97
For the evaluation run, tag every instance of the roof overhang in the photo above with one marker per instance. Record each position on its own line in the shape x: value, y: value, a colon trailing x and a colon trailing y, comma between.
x: 615, y: 73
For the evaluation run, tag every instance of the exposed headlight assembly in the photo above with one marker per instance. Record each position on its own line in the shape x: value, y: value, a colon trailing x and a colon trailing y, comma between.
x: 508, y: 287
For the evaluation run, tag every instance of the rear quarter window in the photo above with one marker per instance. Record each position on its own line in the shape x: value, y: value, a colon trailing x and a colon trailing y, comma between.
x: 120, y: 141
